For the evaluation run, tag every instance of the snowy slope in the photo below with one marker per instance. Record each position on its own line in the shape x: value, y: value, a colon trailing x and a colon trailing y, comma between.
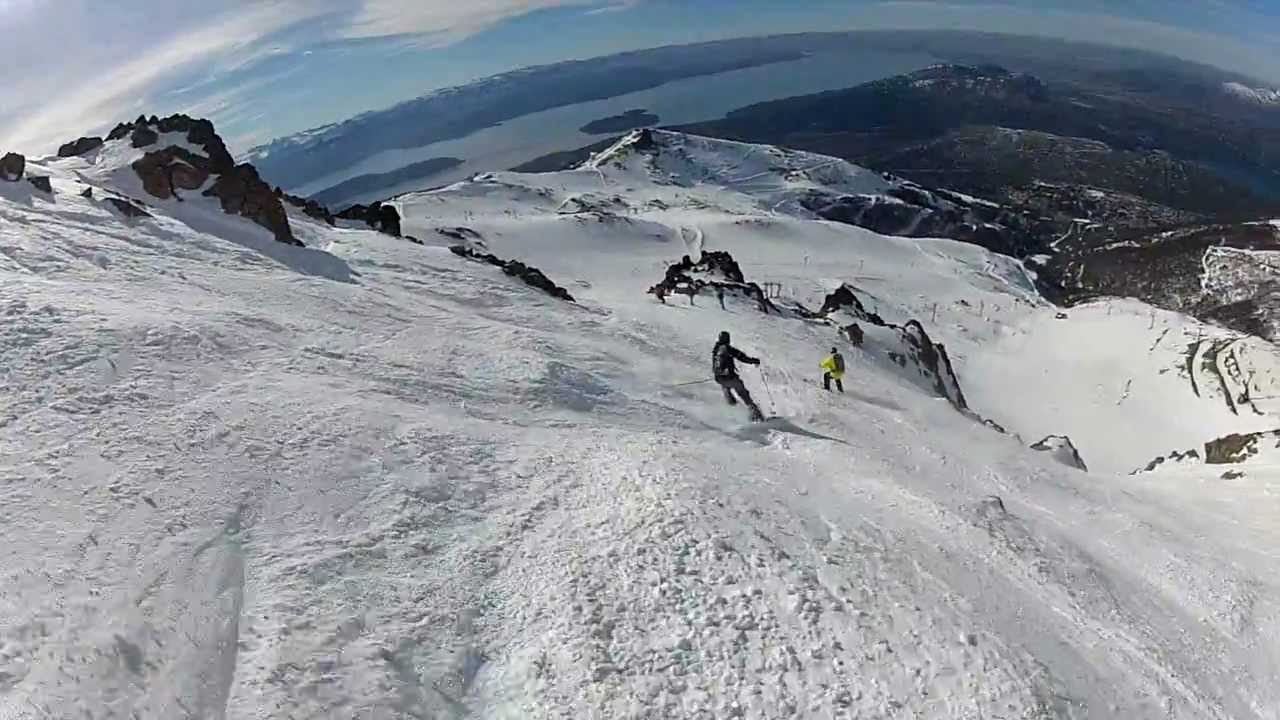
x: 372, y: 479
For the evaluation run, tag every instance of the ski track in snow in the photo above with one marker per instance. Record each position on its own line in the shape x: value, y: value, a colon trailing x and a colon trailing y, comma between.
x: 371, y: 479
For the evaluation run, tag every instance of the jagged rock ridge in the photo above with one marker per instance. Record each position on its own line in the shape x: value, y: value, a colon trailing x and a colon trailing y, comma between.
x: 530, y: 275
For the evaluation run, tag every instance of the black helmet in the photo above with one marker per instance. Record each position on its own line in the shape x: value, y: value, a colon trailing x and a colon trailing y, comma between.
x: 835, y: 351
x: 724, y: 336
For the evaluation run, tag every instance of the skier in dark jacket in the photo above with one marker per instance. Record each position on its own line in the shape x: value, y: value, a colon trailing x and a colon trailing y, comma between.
x: 726, y: 374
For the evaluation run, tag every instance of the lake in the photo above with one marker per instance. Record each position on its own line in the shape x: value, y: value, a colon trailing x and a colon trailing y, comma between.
x: 683, y: 101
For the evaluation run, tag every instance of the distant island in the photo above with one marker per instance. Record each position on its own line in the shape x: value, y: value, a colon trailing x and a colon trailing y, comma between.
x: 364, y: 184
x: 629, y: 120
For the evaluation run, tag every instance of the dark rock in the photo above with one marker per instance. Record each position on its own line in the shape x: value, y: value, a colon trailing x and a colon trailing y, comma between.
x: 127, y: 208
x: 79, y: 147
x: 242, y: 192
x: 854, y: 334
x: 41, y: 183
x: 1175, y: 456
x: 644, y: 140
x: 844, y: 298
x: 530, y: 275
x: 932, y: 357
x: 380, y: 217
x: 143, y: 136
x: 87, y: 193
x: 1233, y: 475
x: 12, y: 165
x: 163, y: 171
x: 119, y: 131
x: 683, y: 278
x: 310, y: 208
x: 1063, y: 450
x: 1232, y: 449
x: 461, y: 234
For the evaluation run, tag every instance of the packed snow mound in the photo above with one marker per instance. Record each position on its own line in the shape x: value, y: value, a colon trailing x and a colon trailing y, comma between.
x: 369, y: 478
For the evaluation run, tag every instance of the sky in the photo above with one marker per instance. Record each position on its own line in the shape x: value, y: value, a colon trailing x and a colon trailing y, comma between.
x: 267, y: 68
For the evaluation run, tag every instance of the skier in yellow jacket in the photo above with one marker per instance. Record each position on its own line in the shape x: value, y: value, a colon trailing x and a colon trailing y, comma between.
x: 833, y: 367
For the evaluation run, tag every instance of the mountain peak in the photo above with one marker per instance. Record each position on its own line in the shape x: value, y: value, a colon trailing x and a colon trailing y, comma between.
x: 991, y: 80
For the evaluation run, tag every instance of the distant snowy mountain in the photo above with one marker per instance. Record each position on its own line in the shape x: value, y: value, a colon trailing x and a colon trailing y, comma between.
x: 1261, y: 96
x: 370, y: 477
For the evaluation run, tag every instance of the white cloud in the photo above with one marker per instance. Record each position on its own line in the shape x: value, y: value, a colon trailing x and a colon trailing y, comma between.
x: 106, y: 65
x: 447, y: 21
x: 107, y: 95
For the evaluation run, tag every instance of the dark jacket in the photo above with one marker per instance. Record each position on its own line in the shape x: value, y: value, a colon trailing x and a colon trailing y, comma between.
x: 722, y: 361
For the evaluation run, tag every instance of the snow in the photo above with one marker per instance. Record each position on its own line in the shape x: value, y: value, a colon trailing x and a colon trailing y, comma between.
x: 1262, y: 96
x: 372, y: 479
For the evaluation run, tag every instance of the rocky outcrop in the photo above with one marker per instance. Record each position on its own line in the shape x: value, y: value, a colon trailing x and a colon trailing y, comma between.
x: 79, y: 147
x: 908, y: 346
x: 201, y: 161
x: 1062, y: 450
x: 714, y: 270
x: 126, y: 208
x: 1235, y: 449
x: 242, y: 192
x: 844, y: 298
x: 309, y: 207
x: 933, y: 363
x: 12, y: 166
x: 40, y: 183
x: 530, y: 275
x: 379, y: 216
x: 1173, y: 457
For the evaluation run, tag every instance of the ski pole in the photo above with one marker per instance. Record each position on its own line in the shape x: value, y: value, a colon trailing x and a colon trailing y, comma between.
x: 767, y: 391
x: 695, y: 382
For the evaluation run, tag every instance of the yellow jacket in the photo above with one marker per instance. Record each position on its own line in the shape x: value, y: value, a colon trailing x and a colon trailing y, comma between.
x: 829, y: 364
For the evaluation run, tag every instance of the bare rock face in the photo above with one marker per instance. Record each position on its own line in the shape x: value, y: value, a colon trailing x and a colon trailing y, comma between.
x: 12, y: 165
x: 242, y: 192
x: 40, y: 183
x: 79, y: 147
x: 164, y: 171
x: 143, y: 136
